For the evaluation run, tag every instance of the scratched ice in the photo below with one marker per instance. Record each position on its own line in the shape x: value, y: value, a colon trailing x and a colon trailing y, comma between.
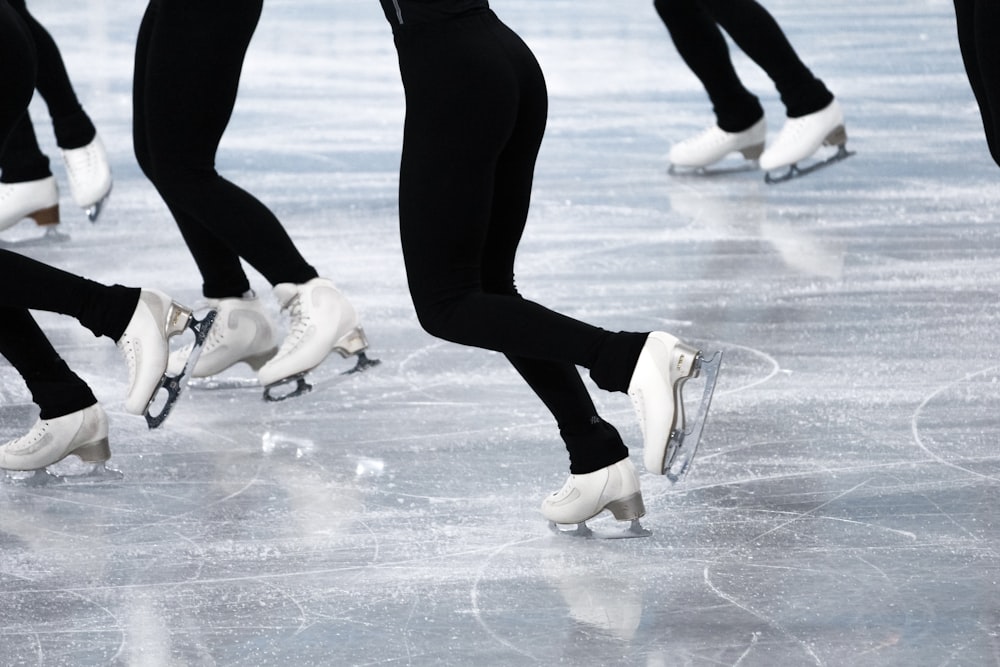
x: 843, y: 507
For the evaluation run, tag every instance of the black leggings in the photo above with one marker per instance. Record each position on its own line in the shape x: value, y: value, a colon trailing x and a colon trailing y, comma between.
x: 21, y: 158
x: 26, y: 283
x: 187, y: 70
x: 978, y: 27
x: 694, y: 27
x: 476, y: 106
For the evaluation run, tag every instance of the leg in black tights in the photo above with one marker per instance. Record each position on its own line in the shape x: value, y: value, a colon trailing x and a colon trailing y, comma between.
x: 470, y: 142
x: 22, y: 159
x: 978, y: 23
x: 187, y: 68
x: 694, y: 27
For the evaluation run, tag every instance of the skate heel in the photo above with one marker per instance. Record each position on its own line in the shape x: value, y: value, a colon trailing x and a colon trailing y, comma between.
x: 683, y: 366
x: 96, y: 452
x: 351, y: 343
x: 44, y: 217
x: 753, y: 152
x: 258, y: 360
x: 629, y: 508
x: 837, y: 137
x: 177, y: 319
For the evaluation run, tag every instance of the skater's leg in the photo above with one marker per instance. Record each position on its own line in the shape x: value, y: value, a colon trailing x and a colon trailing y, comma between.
x: 759, y: 36
x: 73, y: 128
x: 220, y: 221
x: 27, y: 283
x: 22, y: 159
x: 978, y: 22
x: 56, y: 389
x: 703, y: 48
x: 448, y: 177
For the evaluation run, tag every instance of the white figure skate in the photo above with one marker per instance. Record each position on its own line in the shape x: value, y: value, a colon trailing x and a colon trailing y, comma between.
x: 694, y: 155
x: 582, y: 497
x: 321, y: 321
x: 38, y: 200
x: 83, y: 433
x: 241, y: 333
x: 89, y: 176
x: 145, y: 345
x: 801, y: 138
x: 664, y: 365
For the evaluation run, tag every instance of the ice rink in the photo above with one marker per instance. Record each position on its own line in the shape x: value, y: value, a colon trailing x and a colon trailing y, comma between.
x: 843, y: 508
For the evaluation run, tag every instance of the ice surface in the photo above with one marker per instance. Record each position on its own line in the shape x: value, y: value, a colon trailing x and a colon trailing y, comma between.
x: 843, y: 506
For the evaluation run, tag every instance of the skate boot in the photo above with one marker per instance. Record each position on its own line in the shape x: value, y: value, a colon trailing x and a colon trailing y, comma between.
x: 714, y: 144
x: 242, y: 332
x: 321, y: 321
x: 582, y: 497
x: 83, y: 433
x: 664, y: 365
x: 801, y: 137
x: 89, y: 176
x: 38, y: 200
x: 144, y: 344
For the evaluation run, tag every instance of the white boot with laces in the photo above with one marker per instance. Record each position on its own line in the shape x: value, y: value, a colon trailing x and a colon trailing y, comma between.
x: 83, y: 433
x: 38, y: 200
x: 801, y: 137
x: 242, y: 332
x: 713, y: 144
x: 582, y: 497
x: 321, y: 321
x: 89, y: 176
x: 144, y: 344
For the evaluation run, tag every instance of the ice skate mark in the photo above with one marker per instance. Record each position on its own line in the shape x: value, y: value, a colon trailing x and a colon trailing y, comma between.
x: 775, y: 368
x: 915, y: 429
x: 474, y: 598
x: 905, y: 533
x: 753, y: 643
x: 707, y: 578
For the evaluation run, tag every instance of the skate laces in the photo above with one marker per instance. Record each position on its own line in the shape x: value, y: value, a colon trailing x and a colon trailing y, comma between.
x: 298, y: 324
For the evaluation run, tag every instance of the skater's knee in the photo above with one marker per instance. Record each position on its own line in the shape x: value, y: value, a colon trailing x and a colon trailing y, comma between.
x: 669, y: 8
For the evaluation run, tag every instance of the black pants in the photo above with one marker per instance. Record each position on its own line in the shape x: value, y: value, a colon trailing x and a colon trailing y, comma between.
x: 26, y: 283
x: 188, y: 62
x: 978, y: 28
x: 694, y: 27
x: 21, y: 159
x: 476, y: 107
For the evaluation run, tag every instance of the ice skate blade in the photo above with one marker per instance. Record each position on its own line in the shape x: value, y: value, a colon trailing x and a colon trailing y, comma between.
x: 795, y: 171
x: 684, y: 444
x: 582, y: 530
x: 174, y: 384
x: 64, y: 472
x: 301, y: 387
x: 712, y: 170
x: 94, y: 210
x: 275, y: 391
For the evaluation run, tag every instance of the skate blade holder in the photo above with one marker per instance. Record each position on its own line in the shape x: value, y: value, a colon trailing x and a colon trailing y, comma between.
x: 273, y: 392
x: 582, y: 530
x: 795, y: 171
x: 683, y: 444
x: 173, y: 385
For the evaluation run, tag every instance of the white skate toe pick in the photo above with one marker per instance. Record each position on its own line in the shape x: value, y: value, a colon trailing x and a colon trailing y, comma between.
x: 582, y: 497
x: 712, y: 145
x: 38, y: 200
x: 321, y: 321
x: 241, y: 333
x: 664, y: 365
x: 83, y: 433
x: 89, y: 176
